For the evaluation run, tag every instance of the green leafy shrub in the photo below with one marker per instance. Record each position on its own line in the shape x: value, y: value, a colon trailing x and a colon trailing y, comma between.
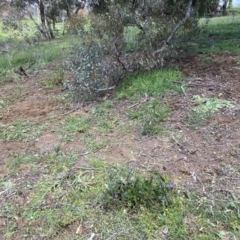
x: 132, y: 190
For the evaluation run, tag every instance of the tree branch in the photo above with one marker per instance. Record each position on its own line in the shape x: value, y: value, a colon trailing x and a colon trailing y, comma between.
x: 42, y: 31
x: 180, y: 23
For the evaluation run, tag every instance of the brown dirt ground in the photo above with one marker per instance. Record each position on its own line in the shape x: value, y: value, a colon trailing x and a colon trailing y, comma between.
x: 208, y: 155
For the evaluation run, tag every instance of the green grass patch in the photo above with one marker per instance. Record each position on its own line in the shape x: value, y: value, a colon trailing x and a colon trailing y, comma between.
x: 115, y: 201
x: 153, y: 83
x: 63, y: 99
x: 88, y: 196
x: 74, y: 125
x: 20, y: 131
x: 30, y: 57
x: 238, y: 61
x: 214, y: 217
x: 104, y: 118
x: 17, y: 161
x: 221, y: 35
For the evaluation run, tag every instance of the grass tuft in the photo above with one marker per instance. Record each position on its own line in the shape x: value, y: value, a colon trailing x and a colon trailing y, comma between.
x: 151, y: 115
x: 74, y: 125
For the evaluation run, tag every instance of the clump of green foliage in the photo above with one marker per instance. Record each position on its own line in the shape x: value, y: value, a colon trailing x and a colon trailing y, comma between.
x: 210, y: 105
x: 131, y: 190
x: 205, y: 109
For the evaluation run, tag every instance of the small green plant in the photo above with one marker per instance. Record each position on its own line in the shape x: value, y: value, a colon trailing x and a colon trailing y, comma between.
x: 129, y: 189
x: 205, y: 109
x: 55, y: 79
x: 2, y: 105
x: 151, y: 115
x: 210, y: 105
x: 64, y: 99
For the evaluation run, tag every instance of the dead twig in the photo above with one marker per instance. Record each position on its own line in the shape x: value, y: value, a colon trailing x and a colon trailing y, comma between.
x: 200, y: 85
x: 140, y: 102
x: 183, y: 91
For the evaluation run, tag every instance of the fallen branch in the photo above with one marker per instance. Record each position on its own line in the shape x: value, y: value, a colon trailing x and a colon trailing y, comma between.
x: 104, y: 89
x: 200, y: 85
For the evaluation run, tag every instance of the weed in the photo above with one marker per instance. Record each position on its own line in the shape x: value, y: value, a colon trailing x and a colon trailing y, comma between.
x: 64, y: 99
x: 128, y: 189
x: 205, y: 109
x: 55, y: 79
x: 107, y: 126
x: 20, y: 130
x: 102, y: 114
x: 95, y: 143
x: 211, y: 105
x: 59, y: 162
x: 102, y: 110
x: 153, y: 83
x: 2, y: 105
x: 151, y: 115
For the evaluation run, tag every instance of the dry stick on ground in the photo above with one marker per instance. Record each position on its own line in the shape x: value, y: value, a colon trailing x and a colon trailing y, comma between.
x: 140, y: 102
x: 201, y: 85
